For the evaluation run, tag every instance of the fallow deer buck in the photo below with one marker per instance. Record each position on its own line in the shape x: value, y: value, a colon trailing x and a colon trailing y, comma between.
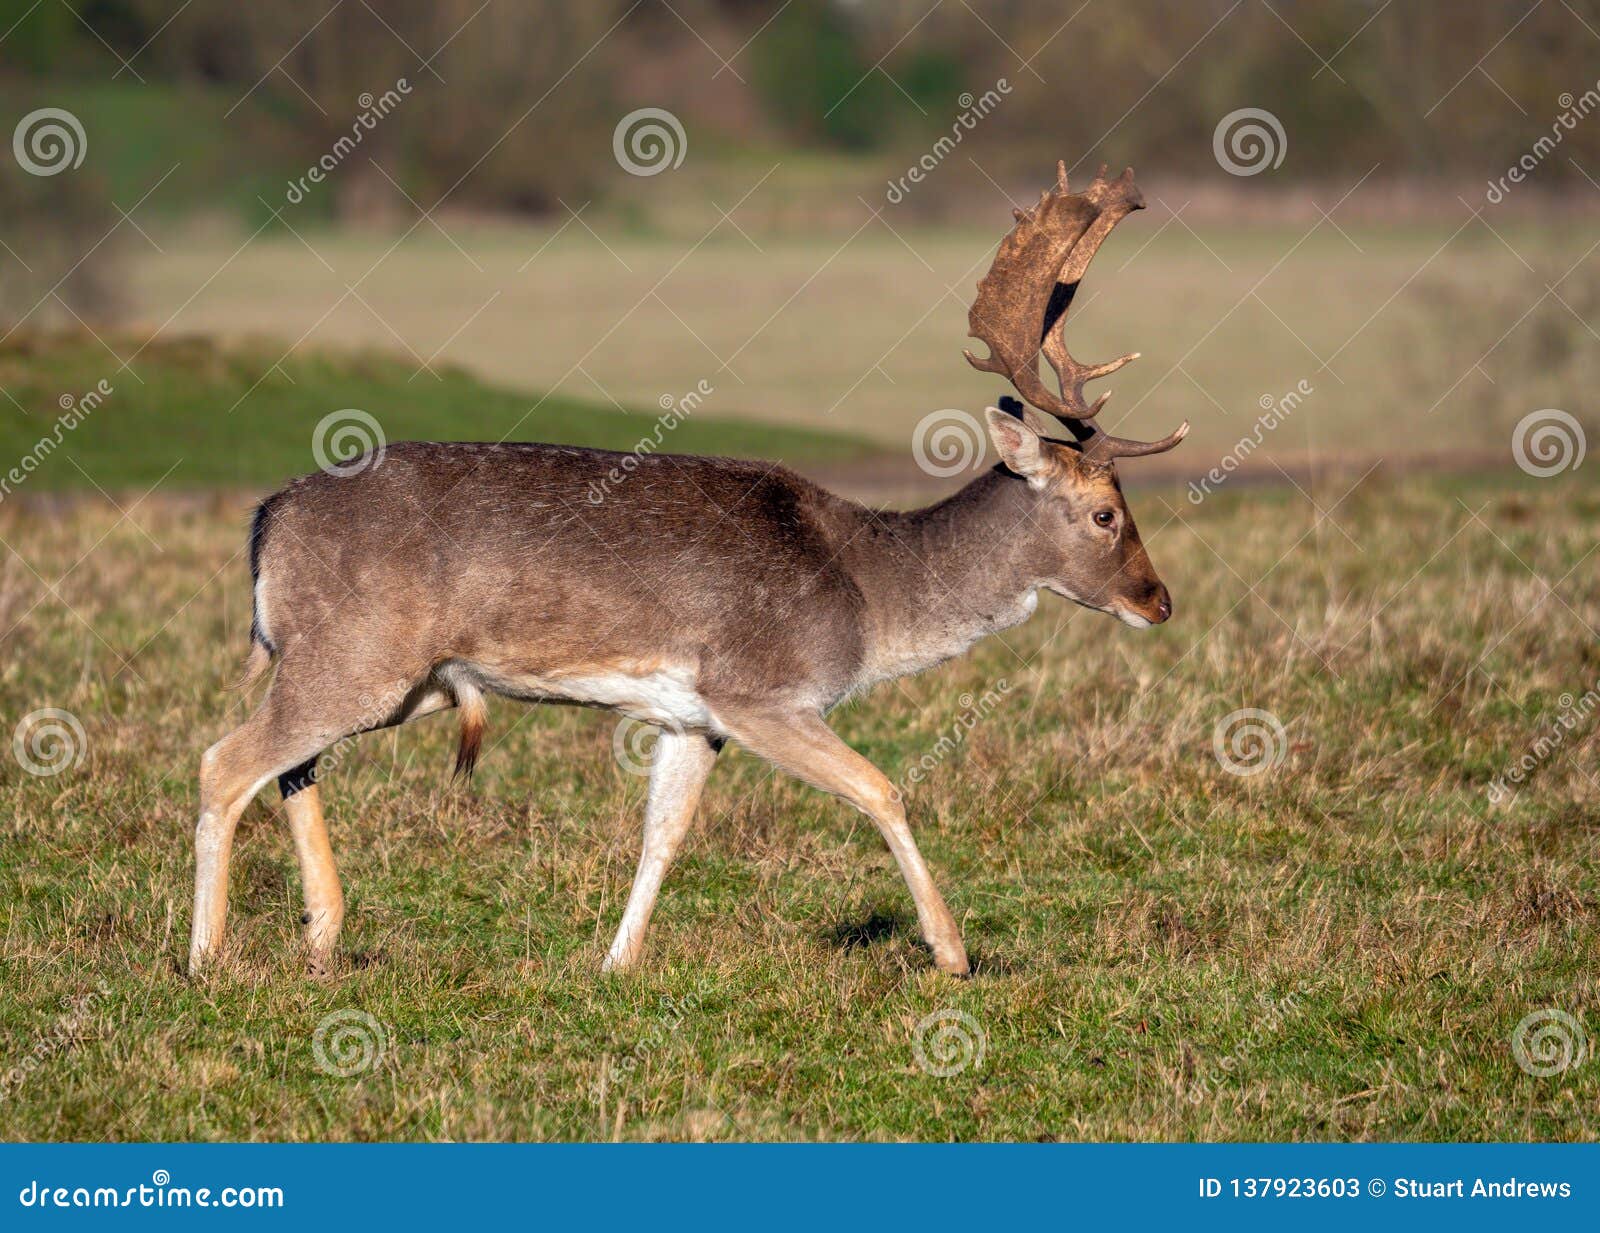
x: 720, y: 600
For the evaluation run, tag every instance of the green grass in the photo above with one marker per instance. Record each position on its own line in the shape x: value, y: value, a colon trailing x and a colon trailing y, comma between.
x: 197, y: 415
x: 1340, y: 947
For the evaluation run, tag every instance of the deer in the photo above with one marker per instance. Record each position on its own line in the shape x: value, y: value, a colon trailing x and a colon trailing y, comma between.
x: 715, y: 599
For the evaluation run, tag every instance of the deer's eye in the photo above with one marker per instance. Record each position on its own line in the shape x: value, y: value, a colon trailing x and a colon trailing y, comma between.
x: 1104, y: 518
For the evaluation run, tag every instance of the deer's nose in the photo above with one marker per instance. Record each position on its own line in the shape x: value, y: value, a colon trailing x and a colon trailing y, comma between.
x: 1163, y: 606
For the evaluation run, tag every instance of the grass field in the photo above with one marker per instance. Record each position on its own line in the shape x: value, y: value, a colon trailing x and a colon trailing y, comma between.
x: 1340, y: 946
x: 1344, y: 944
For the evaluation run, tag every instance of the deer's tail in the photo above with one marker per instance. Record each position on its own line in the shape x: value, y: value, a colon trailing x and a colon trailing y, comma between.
x: 259, y: 659
x: 474, y: 718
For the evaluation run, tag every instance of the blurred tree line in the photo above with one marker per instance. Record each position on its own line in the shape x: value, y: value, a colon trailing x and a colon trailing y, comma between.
x: 1352, y: 80
x: 513, y: 102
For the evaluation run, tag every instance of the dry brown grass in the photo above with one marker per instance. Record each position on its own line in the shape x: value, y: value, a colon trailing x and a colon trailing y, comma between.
x: 1415, y: 339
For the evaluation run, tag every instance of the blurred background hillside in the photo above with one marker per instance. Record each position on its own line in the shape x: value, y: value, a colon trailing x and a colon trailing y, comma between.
x: 797, y: 221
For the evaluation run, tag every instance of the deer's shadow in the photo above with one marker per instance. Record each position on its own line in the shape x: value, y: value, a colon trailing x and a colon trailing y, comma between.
x: 881, y: 926
x: 878, y: 927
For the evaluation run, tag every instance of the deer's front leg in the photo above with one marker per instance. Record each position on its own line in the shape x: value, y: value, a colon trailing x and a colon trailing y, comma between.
x: 677, y: 774
x: 804, y: 746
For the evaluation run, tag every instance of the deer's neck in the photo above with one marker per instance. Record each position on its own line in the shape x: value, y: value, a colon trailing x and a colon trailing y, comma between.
x: 936, y: 580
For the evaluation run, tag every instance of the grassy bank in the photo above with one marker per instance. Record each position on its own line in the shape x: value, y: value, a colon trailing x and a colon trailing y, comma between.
x: 190, y: 414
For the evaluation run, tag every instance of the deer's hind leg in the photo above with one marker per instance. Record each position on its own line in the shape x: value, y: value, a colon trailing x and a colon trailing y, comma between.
x: 301, y: 716
x: 319, y: 874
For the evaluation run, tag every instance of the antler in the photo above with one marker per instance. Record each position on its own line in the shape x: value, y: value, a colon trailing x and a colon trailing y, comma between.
x: 1022, y: 304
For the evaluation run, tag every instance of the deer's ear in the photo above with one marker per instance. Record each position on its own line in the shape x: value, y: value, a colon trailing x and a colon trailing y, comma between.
x: 1018, y: 445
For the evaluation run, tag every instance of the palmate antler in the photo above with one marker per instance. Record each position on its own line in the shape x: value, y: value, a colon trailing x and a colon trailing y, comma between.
x: 1022, y: 305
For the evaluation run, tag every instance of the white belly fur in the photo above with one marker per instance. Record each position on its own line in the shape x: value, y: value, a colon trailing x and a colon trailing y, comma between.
x: 662, y: 696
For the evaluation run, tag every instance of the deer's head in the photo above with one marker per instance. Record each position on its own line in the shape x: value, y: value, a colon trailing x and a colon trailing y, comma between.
x: 1080, y: 532
x: 1077, y: 534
